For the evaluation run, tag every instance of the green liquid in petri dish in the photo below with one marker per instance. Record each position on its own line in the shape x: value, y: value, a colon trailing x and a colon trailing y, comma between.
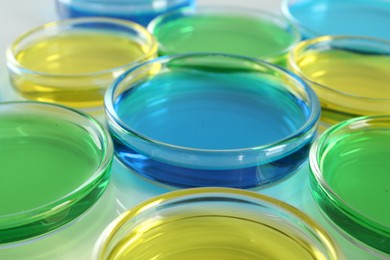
x: 43, y: 160
x: 356, y: 167
x: 226, y: 33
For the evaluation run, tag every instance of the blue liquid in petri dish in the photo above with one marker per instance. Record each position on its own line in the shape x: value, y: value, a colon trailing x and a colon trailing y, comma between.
x: 139, y: 11
x: 200, y: 110
x: 369, y: 18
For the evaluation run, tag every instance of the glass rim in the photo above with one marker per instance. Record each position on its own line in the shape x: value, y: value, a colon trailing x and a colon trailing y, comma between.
x: 13, y: 63
x: 292, y: 61
x: 214, y: 9
x: 98, y: 173
x: 309, y: 124
x: 140, y: 4
x: 315, y: 161
x: 222, y: 193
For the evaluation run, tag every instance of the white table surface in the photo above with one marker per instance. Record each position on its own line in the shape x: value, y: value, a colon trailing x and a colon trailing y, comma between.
x: 76, y: 241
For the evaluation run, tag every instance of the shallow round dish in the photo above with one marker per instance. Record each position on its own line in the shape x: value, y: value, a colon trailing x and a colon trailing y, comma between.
x: 349, y: 74
x: 229, y: 30
x: 72, y: 62
x: 214, y: 223
x: 211, y: 120
x: 339, y: 17
x: 55, y: 165
x: 350, y: 182
x: 139, y: 11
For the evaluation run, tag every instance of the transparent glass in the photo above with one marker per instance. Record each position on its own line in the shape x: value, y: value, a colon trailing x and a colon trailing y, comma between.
x: 211, y: 120
x: 215, y: 223
x: 72, y: 62
x: 225, y: 29
x: 349, y: 75
x: 339, y: 17
x: 55, y: 165
x: 350, y: 180
x: 139, y: 11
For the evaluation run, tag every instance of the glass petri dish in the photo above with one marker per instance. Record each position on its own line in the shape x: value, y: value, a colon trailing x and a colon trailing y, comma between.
x: 216, y: 223
x: 350, y: 178
x: 229, y: 30
x: 339, y: 17
x: 349, y: 75
x: 139, y: 11
x: 55, y: 165
x: 72, y: 62
x: 211, y: 120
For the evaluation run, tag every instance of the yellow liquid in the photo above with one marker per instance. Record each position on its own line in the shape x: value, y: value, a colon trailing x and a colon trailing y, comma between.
x: 211, y: 237
x: 360, y: 77
x: 72, y: 58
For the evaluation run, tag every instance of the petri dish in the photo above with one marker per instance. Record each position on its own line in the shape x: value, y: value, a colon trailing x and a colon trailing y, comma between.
x: 196, y: 120
x: 339, y: 17
x: 139, y: 11
x: 229, y: 30
x: 349, y: 75
x: 350, y: 179
x: 72, y: 62
x: 55, y: 165
x: 214, y: 223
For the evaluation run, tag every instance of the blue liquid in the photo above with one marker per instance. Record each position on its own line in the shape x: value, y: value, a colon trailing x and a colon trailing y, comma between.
x: 343, y: 17
x: 212, y: 112
x: 114, y: 9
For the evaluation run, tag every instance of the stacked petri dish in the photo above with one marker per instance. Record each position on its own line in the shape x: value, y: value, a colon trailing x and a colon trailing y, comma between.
x: 350, y: 74
x: 214, y: 223
x: 196, y: 120
x: 72, y: 62
x: 231, y: 30
x: 55, y: 166
x: 139, y: 11
x: 350, y: 180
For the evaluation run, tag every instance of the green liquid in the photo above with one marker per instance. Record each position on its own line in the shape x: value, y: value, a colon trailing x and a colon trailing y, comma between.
x: 232, y: 34
x: 43, y: 160
x: 356, y: 167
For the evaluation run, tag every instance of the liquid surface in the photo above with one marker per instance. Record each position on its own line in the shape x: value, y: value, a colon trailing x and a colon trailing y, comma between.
x: 211, y: 111
x: 341, y: 17
x: 74, y: 54
x: 210, y: 237
x: 349, y: 72
x: 42, y: 160
x: 357, y: 168
x: 233, y: 34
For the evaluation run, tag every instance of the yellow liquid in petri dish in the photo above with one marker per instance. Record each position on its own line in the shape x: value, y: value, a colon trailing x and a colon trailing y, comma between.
x: 74, y: 69
x: 359, y: 82
x: 211, y: 237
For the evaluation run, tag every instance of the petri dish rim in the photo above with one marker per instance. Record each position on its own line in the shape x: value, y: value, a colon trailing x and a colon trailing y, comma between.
x: 292, y: 61
x: 262, y: 14
x: 314, y: 162
x: 307, y: 126
x: 157, y: 203
x: 107, y: 153
x: 12, y: 62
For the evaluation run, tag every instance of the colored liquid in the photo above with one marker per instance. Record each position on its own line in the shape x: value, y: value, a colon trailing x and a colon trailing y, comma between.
x: 43, y: 160
x: 343, y: 17
x: 354, y: 77
x: 211, y: 237
x: 232, y: 34
x: 357, y: 168
x: 210, y: 111
x: 135, y: 12
x: 69, y: 62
